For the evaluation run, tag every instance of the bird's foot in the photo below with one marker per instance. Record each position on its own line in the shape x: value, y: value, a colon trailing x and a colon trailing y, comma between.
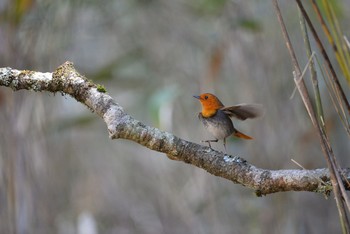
x: 208, y: 141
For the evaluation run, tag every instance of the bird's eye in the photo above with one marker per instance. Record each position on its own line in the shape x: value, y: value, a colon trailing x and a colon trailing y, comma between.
x: 205, y: 97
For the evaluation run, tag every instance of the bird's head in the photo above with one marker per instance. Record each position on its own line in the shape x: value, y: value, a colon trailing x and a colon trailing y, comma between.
x: 210, y: 104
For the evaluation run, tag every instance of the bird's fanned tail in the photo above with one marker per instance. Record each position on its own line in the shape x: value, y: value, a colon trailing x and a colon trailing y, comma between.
x: 242, y: 135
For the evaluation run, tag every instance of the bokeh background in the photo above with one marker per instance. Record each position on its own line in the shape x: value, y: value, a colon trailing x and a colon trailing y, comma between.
x: 59, y: 171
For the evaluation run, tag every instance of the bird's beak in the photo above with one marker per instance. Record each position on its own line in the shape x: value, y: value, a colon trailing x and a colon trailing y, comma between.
x: 198, y: 97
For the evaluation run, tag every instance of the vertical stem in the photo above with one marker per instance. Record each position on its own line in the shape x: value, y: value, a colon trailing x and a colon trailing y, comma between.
x: 325, y: 56
x: 326, y: 148
x: 300, y: 84
x: 313, y: 73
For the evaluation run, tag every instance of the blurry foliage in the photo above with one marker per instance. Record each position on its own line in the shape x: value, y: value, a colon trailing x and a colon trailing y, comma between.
x: 18, y: 9
x: 250, y: 24
x: 208, y: 7
x: 216, y: 59
x: 123, y: 67
x: 160, y: 101
x: 83, y: 121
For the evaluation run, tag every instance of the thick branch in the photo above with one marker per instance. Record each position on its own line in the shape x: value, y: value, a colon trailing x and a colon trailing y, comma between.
x: 65, y: 79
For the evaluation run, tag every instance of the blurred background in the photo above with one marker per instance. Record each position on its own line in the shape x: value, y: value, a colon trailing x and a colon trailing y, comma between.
x: 59, y: 171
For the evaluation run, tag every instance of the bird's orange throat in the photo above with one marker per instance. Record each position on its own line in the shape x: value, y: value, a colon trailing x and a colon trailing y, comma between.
x: 208, y: 112
x: 210, y: 104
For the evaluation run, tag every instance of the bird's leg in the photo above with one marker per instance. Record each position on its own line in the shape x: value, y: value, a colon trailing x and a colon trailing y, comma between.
x: 208, y: 141
x: 225, y: 145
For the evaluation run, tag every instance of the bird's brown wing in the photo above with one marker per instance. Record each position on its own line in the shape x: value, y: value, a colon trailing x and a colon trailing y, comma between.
x: 244, y: 111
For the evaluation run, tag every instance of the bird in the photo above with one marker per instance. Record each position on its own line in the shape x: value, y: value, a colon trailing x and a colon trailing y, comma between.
x: 216, y: 118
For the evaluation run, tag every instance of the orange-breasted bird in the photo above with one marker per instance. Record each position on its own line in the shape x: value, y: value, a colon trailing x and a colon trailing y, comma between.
x: 216, y: 117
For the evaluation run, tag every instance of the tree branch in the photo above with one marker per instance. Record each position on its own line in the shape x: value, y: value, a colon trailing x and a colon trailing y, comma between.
x: 66, y: 80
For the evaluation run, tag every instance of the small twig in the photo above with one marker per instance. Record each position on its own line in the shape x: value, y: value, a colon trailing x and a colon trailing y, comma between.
x: 299, y: 165
x: 302, y: 74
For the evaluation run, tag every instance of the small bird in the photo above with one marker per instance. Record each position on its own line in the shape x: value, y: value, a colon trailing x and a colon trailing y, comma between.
x: 216, y: 117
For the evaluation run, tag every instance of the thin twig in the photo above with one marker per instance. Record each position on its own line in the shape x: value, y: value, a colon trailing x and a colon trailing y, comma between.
x: 301, y: 166
x: 303, y: 74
